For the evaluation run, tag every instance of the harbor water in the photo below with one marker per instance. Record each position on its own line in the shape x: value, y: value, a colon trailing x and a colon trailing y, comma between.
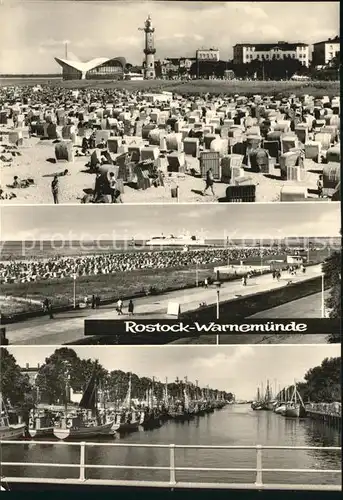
x: 234, y: 425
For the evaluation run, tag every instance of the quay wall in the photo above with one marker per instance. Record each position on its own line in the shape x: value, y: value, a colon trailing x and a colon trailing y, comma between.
x: 243, y: 307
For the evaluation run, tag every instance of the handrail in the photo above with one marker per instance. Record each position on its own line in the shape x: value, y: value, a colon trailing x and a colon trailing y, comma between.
x: 172, y: 467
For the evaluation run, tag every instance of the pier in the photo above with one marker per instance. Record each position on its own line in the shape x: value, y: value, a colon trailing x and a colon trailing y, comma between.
x: 329, y: 413
x: 171, y: 467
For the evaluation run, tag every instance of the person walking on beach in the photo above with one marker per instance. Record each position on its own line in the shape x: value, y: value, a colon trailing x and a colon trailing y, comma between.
x: 97, y: 302
x: 209, y: 181
x: 131, y: 308
x: 54, y: 189
x: 93, y: 301
x: 206, y: 283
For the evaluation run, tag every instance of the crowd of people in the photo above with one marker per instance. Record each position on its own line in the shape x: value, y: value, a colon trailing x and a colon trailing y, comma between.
x: 14, y: 271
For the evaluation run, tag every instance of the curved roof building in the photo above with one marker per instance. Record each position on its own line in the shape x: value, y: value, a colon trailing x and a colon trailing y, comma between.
x: 96, y: 69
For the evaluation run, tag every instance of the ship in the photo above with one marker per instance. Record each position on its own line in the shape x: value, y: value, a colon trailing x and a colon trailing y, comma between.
x: 9, y: 431
x: 295, y: 408
x: 152, y: 414
x: 127, y: 420
x: 75, y: 425
x: 183, y: 241
x: 40, y: 424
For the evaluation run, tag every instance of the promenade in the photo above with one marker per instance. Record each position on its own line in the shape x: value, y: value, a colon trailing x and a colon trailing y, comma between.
x: 68, y: 327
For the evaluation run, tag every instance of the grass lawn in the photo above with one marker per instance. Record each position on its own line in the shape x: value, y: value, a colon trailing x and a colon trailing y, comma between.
x: 315, y: 88
x: 112, y: 286
x: 107, y: 286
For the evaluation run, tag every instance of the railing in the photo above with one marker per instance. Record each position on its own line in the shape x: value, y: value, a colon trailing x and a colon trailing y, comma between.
x: 172, y: 468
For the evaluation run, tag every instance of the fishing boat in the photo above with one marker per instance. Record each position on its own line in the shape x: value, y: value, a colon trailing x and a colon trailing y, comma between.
x: 127, y: 420
x: 9, y: 431
x: 176, y: 241
x: 75, y: 425
x: 152, y: 414
x: 281, y: 409
x: 258, y: 404
x: 40, y: 424
x: 295, y: 405
x: 268, y: 403
x: 177, y: 412
x: 280, y: 405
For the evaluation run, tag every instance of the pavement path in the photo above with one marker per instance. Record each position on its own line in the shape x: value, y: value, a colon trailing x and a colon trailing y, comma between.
x: 68, y: 327
x: 307, y: 307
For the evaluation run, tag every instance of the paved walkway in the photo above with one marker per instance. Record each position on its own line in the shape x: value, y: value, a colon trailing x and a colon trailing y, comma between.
x: 69, y: 326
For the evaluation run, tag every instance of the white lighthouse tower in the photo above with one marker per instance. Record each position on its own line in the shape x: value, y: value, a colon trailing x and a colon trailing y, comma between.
x: 149, y: 50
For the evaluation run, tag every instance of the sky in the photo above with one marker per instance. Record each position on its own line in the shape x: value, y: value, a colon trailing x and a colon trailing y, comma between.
x: 33, y: 32
x: 208, y: 221
x: 236, y: 369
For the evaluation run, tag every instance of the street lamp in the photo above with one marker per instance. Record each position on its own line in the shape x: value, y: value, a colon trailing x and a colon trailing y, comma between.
x: 74, y: 290
x: 323, y: 299
x: 218, y: 285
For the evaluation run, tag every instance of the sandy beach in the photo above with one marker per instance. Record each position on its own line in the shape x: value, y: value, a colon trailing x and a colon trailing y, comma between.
x: 35, y: 163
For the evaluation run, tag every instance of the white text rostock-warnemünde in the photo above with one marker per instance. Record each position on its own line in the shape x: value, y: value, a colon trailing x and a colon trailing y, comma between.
x: 212, y: 327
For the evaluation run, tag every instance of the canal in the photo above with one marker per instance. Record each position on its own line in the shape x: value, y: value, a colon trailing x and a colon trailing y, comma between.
x: 233, y: 425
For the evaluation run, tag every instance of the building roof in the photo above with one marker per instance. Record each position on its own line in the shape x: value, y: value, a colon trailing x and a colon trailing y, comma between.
x: 330, y: 40
x: 88, y: 65
x: 263, y: 47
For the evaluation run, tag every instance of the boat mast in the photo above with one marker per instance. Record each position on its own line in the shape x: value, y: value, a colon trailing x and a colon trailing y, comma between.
x: 3, y: 408
x: 66, y: 393
x: 129, y: 393
x: 166, y: 392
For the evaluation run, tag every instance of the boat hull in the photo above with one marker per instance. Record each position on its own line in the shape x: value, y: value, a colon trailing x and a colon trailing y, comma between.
x: 12, y: 432
x: 179, y: 417
x: 152, y: 423
x: 42, y: 433
x: 280, y: 410
x: 84, y: 432
x: 292, y: 412
x: 126, y: 427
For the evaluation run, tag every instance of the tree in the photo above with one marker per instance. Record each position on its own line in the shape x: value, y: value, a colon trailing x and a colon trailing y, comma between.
x: 62, y: 364
x: 15, y: 387
x: 324, y: 381
x: 332, y: 277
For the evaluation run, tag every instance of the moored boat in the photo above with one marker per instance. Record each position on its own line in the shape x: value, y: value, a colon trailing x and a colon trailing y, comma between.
x: 40, y: 424
x: 295, y: 406
x: 78, y: 425
x: 281, y: 410
x: 78, y: 430
x: 9, y: 431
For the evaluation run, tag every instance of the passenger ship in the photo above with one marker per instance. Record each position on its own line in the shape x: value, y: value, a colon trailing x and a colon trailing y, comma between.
x: 176, y: 241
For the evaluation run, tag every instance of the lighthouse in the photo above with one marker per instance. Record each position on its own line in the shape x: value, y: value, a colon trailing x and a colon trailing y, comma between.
x: 149, y: 50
